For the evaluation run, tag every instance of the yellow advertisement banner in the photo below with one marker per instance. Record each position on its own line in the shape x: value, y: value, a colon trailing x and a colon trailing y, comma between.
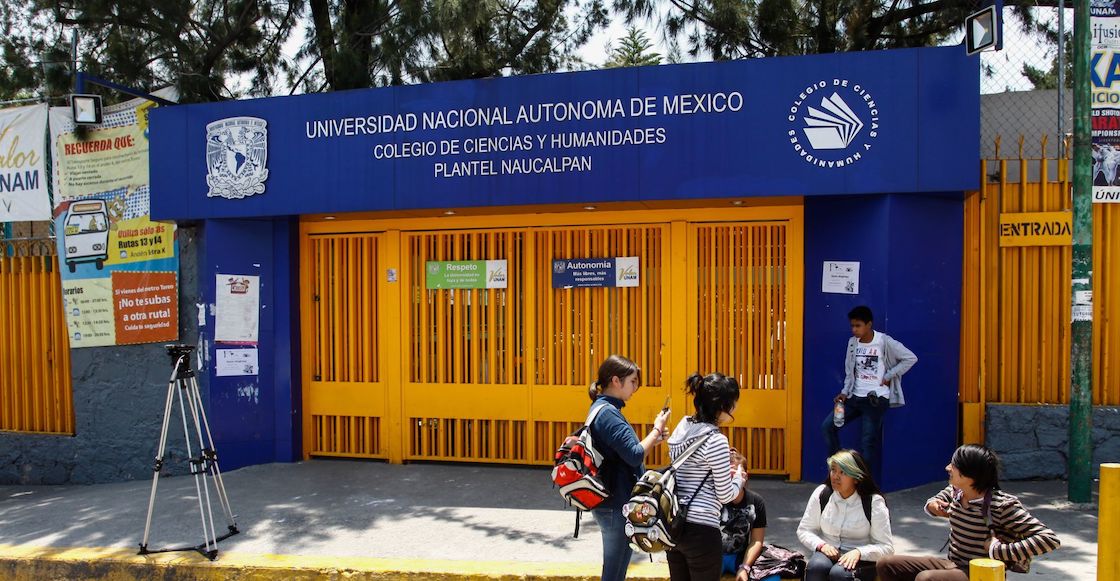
x: 1036, y: 229
x: 108, y: 159
x: 140, y: 240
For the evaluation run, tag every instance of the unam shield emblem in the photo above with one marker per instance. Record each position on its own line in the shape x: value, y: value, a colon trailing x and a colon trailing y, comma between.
x: 236, y: 157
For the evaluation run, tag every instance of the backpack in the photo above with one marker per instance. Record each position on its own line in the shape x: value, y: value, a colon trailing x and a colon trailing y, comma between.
x: 654, y: 516
x: 576, y: 469
x: 866, y: 500
x: 777, y: 560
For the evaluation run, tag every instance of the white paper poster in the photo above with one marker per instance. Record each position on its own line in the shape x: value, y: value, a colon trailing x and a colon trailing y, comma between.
x: 23, y: 173
x: 237, y: 309
x: 840, y: 278
x: 232, y: 362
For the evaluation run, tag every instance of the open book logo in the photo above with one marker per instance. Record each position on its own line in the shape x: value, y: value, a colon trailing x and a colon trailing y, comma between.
x: 825, y: 129
x: 833, y: 126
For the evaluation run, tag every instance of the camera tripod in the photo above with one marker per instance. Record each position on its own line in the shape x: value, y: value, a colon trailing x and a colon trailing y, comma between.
x: 184, y: 385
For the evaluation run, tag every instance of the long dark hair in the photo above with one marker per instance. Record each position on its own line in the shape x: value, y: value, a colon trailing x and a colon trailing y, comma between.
x: 980, y: 464
x: 614, y: 366
x: 865, y: 485
x: 712, y: 395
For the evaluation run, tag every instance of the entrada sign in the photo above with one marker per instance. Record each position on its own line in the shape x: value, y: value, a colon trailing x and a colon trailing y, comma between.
x: 1035, y: 229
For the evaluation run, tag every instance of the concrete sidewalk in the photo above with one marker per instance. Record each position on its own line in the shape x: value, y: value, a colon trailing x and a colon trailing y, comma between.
x: 328, y: 519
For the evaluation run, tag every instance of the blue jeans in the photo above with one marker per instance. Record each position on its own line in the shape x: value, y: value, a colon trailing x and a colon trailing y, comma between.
x: 872, y: 409
x: 821, y: 568
x: 616, y: 545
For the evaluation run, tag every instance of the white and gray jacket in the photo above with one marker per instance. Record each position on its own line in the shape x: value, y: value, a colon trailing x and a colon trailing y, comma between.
x: 897, y: 360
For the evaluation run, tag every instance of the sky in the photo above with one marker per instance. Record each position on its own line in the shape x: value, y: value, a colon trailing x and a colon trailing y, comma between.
x: 1006, y: 64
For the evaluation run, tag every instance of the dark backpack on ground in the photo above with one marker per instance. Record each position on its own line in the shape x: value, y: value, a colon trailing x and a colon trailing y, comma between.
x: 866, y: 500
x: 778, y: 560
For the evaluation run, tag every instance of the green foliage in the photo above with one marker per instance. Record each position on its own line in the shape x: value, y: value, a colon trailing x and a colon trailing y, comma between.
x: 633, y: 51
x: 731, y: 29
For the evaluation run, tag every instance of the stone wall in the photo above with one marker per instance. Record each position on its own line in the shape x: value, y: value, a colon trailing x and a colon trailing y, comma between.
x: 1033, y: 440
x: 119, y: 395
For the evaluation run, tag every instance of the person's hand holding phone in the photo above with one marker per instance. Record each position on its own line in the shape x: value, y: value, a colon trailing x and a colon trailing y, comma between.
x: 662, y: 419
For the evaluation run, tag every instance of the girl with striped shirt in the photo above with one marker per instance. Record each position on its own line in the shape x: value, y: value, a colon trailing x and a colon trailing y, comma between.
x: 706, y: 481
x: 975, y: 507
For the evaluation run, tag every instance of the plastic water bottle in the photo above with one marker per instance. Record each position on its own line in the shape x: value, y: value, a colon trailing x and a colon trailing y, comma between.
x: 838, y: 414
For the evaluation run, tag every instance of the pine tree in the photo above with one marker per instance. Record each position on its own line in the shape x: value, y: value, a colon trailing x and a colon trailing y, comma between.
x: 633, y: 51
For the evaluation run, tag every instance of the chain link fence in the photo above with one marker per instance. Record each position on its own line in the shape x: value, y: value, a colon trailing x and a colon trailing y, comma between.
x: 1023, y: 114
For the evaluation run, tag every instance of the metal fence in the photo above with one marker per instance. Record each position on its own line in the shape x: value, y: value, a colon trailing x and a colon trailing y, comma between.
x: 1019, y: 87
x: 1016, y: 303
x: 35, y: 394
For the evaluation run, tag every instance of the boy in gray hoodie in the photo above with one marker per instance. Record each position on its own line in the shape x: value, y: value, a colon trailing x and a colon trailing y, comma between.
x: 873, y: 369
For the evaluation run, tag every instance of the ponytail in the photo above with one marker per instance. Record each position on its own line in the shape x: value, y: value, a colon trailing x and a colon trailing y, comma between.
x: 712, y: 395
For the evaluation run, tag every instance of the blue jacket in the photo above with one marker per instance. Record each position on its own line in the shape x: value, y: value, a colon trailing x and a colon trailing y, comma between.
x: 622, y: 452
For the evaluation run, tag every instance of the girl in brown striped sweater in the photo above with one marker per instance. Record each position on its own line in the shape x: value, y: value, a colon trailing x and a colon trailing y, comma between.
x: 975, y: 507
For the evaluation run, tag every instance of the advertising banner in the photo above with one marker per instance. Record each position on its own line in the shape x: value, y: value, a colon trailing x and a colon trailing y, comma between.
x: 620, y: 271
x: 1105, y: 77
x: 119, y: 268
x: 23, y: 174
x: 466, y: 274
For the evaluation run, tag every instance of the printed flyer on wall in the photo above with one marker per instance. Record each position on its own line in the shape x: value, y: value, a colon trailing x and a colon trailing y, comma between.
x: 119, y: 269
x: 1105, y: 75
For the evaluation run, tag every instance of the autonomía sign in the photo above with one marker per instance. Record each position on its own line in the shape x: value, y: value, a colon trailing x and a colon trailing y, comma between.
x: 620, y: 271
x: 466, y: 274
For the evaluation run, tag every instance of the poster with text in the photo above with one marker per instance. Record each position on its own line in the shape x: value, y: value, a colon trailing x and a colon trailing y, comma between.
x: 1105, y: 77
x: 23, y: 170
x: 119, y: 268
x: 237, y: 308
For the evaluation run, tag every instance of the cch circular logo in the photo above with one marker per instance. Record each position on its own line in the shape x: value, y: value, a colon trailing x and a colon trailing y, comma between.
x: 833, y: 123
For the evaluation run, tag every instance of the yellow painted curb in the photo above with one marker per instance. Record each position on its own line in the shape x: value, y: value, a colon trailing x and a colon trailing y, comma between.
x: 27, y: 563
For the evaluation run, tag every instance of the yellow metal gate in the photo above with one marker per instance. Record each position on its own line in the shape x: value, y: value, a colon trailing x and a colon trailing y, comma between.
x: 747, y: 328
x: 399, y: 371
x: 345, y: 400
x: 35, y: 389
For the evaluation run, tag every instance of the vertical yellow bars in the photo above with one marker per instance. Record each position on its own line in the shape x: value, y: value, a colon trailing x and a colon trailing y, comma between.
x: 35, y: 388
x: 1108, y: 524
x: 1016, y: 302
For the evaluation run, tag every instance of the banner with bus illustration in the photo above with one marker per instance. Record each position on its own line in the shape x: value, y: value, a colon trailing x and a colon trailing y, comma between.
x: 119, y: 268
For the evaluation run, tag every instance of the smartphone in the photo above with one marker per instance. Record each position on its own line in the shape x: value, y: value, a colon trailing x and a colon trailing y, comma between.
x: 665, y: 407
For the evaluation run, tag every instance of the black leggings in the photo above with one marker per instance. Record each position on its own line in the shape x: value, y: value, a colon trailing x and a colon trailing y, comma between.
x: 698, y: 556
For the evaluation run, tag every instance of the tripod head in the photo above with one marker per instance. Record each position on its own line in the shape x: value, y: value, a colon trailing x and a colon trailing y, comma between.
x: 181, y: 352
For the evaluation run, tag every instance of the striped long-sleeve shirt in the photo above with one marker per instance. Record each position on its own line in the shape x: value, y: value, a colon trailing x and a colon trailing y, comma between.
x: 711, y: 460
x: 968, y: 530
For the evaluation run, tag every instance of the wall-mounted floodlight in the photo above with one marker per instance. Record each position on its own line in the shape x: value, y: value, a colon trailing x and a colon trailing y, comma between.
x: 981, y: 30
x: 86, y: 109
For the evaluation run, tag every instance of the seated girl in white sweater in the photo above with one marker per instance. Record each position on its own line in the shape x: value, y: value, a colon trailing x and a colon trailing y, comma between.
x: 846, y: 523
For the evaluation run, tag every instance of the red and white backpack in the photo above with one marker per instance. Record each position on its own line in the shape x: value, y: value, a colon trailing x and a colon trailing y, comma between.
x: 576, y: 470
